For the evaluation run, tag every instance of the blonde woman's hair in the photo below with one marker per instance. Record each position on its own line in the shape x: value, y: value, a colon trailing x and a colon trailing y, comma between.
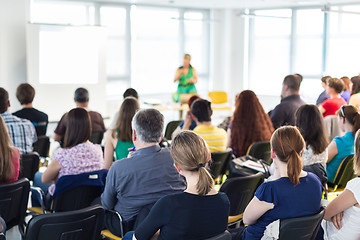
x: 6, y: 166
x: 357, y: 153
x: 191, y: 153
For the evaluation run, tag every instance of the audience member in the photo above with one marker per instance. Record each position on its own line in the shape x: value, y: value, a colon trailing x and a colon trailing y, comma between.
x: 9, y: 157
x: 25, y: 93
x: 341, y: 147
x: 249, y: 124
x: 144, y: 177
x: 119, y: 139
x: 294, y: 193
x: 309, y: 121
x: 181, y: 125
x: 330, y: 106
x: 346, y: 92
x: 21, y: 131
x: 284, y: 113
x: 342, y: 215
x: 355, y: 92
x: 198, y: 206
x: 201, y: 113
x: 77, y: 155
x: 323, y: 96
x: 81, y: 98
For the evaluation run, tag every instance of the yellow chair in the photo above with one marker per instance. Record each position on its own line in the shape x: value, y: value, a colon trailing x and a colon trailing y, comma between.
x: 219, y: 98
x: 108, y: 234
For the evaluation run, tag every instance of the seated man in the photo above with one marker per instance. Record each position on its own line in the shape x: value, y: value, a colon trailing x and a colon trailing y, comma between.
x: 330, y: 106
x: 144, y: 177
x: 25, y: 93
x: 323, y: 96
x: 21, y: 131
x: 201, y: 113
x: 284, y: 113
x: 81, y: 98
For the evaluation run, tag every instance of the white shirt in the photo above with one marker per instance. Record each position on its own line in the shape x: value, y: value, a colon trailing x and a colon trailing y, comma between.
x: 351, y: 220
x: 309, y: 157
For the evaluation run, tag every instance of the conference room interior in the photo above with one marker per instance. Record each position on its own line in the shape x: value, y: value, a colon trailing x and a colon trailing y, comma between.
x: 108, y: 46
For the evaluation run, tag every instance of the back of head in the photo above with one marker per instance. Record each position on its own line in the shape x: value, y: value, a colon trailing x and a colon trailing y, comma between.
x: 357, y: 153
x: 249, y: 123
x: 6, y: 166
x: 81, y: 95
x: 123, y: 129
x: 356, y: 85
x: 130, y: 92
x: 287, y: 143
x: 78, y: 127
x: 192, y: 99
x: 325, y: 79
x: 201, y: 109
x: 148, y: 125
x: 310, y: 122
x: 293, y: 82
x: 300, y: 76
x: 25, y: 93
x: 336, y: 84
x: 346, y: 82
x: 191, y: 153
x: 4, y: 100
x: 351, y: 115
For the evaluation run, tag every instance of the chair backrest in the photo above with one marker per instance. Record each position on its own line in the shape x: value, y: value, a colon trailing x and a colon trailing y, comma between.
x: 29, y: 165
x: 13, y: 202
x: 301, y: 228
x: 224, y: 236
x: 219, y: 162
x: 74, y: 192
x: 332, y: 127
x: 345, y: 171
x: 240, y: 191
x: 96, y: 137
x: 260, y: 150
x: 170, y: 128
x: 42, y: 146
x: 218, y: 97
x: 84, y: 224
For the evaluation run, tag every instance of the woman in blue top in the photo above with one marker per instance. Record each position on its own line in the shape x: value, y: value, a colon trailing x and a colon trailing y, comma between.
x: 200, y: 212
x: 341, y: 147
x: 293, y: 193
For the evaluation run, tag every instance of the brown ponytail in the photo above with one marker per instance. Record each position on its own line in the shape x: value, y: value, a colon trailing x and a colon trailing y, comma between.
x: 191, y: 153
x: 6, y: 166
x: 287, y: 144
x: 351, y: 114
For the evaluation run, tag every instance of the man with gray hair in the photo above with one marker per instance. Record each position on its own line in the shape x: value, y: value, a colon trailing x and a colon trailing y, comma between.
x: 144, y: 177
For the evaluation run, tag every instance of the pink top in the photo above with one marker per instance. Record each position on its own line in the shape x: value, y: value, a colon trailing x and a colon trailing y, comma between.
x: 15, y: 159
x: 84, y: 157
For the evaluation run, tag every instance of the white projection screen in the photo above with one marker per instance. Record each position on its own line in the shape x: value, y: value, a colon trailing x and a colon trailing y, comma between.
x: 62, y: 58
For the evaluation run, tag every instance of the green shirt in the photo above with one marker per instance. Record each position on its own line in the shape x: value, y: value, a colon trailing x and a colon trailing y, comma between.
x: 122, y: 149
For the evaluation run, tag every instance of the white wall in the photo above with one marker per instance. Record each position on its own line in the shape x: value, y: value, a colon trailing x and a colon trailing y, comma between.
x: 13, y: 17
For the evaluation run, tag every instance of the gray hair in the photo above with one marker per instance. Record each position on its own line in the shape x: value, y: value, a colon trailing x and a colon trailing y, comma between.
x: 148, y: 125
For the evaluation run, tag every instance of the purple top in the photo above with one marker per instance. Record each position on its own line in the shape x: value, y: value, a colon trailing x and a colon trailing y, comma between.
x: 84, y: 157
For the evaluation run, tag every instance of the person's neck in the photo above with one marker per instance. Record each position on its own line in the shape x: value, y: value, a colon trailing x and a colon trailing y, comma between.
x: 204, y: 123
x: 288, y: 94
x: 82, y: 105
x: 348, y: 127
x: 335, y: 95
x: 192, y: 178
x: 140, y: 145
x: 28, y: 105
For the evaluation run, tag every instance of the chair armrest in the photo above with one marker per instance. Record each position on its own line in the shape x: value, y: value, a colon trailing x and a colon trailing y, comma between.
x: 236, y: 218
x: 42, y: 196
x: 120, y: 220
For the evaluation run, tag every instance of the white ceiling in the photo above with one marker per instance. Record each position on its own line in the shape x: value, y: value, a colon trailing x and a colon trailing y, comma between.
x: 236, y: 4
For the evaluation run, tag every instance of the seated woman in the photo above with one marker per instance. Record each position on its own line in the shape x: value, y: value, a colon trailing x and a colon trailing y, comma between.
x: 77, y: 155
x: 342, y: 215
x: 249, y: 124
x: 346, y: 93
x: 309, y: 121
x: 118, y: 139
x: 355, y: 92
x: 200, y: 212
x: 294, y: 193
x: 341, y: 147
x: 9, y: 157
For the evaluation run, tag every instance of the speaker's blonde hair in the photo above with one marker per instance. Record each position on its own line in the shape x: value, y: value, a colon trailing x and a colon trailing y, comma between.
x: 191, y: 153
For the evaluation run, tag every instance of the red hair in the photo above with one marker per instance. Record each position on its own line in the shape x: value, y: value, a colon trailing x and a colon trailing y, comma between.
x: 249, y: 123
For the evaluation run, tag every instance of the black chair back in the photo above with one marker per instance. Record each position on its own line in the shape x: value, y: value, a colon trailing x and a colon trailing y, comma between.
x: 13, y: 203
x: 84, y: 224
x: 29, y: 165
x: 219, y: 163
x: 42, y: 146
x: 96, y: 137
x: 301, y: 228
x: 224, y: 236
x: 240, y: 191
x: 170, y: 128
x: 261, y: 150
